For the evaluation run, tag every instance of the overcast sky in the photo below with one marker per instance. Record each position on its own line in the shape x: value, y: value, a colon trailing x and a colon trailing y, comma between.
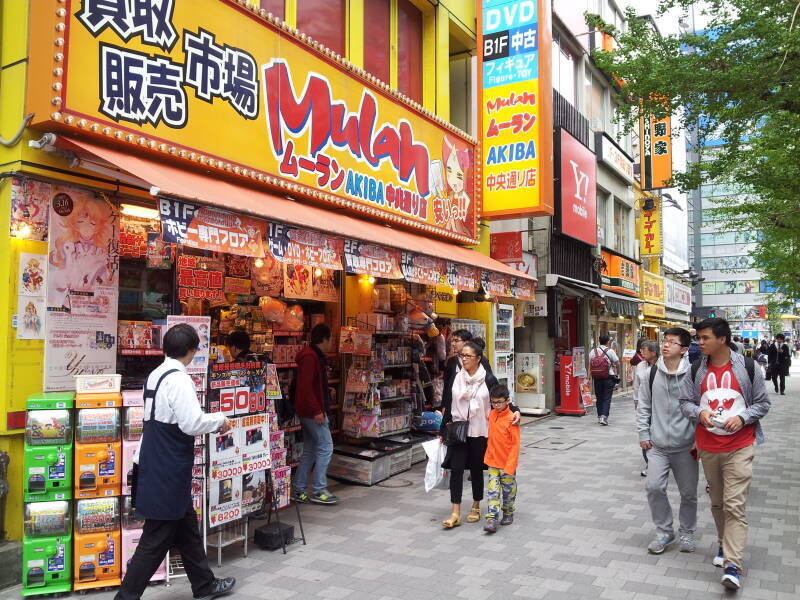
x: 668, y: 23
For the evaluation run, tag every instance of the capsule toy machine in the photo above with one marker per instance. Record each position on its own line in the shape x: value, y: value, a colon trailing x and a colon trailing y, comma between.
x: 98, y: 453
x: 98, y: 560
x: 132, y: 426
x: 47, y: 548
x: 48, y: 454
x: 131, y: 534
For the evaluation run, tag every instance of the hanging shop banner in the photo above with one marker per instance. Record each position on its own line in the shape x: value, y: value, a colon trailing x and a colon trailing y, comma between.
x: 522, y: 289
x: 199, y: 365
x: 422, y: 269
x: 649, y: 225
x: 677, y: 295
x: 656, y: 159
x: 506, y: 246
x: 210, y: 228
x: 290, y: 244
x: 515, y: 112
x: 266, y: 275
x: 496, y: 284
x: 577, y: 192
x: 29, y: 208
x: 215, y: 83
x: 652, y: 287
x: 237, y: 388
x: 463, y: 278
x: 363, y: 258
x: 196, y: 281
x: 654, y: 310
x: 133, y: 235
x: 82, y: 287
x: 619, y: 274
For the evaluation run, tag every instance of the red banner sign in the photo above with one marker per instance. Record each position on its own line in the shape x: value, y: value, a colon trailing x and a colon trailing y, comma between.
x: 496, y: 284
x: 523, y: 289
x: 463, y: 278
x: 305, y: 247
x: 197, y: 283
x: 370, y: 259
x: 422, y: 269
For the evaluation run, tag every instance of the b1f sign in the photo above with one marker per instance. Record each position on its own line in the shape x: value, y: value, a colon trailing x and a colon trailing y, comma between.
x: 577, y: 190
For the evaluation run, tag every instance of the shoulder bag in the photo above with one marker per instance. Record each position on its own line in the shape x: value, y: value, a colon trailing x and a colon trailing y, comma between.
x: 456, y: 432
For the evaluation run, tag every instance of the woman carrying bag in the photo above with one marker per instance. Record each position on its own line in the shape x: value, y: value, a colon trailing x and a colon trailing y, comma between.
x: 465, y: 428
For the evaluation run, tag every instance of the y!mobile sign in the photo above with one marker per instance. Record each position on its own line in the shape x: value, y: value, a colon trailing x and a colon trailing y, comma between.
x: 515, y: 112
x: 578, y: 190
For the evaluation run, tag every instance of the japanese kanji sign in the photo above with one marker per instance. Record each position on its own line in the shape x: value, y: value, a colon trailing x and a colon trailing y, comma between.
x: 422, y: 269
x: 652, y: 287
x: 515, y: 108
x: 213, y: 82
x: 370, y: 259
x: 463, y: 278
x: 656, y: 153
x: 496, y: 284
x: 619, y: 274
x: 209, y: 228
x: 294, y: 245
x: 649, y: 226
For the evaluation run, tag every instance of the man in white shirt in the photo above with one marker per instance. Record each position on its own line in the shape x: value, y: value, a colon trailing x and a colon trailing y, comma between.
x: 162, y: 482
x: 604, y: 386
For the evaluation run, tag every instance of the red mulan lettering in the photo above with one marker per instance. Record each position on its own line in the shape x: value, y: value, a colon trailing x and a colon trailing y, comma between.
x: 413, y: 158
x: 345, y: 133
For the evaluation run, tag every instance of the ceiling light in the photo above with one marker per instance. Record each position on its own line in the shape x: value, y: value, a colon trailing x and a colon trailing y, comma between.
x: 134, y: 210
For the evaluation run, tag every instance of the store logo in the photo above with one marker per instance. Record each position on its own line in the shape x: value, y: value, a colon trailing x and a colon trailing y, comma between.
x: 581, y: 189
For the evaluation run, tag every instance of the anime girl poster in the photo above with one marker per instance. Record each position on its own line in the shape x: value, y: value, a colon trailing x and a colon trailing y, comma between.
x: 82, y: 286
x: 30, y: 318
x: 453, y: 188
x: 29, y: 210
x: 32, y: 274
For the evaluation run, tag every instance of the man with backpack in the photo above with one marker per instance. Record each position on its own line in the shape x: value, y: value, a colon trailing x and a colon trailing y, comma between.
x: 602, y: 360
x: 726, y: 396
x: 668, y: 437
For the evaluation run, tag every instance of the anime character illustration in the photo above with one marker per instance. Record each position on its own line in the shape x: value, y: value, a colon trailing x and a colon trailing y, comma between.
x: 453, y: 205
x: 82, y: 252
x: 31, y: 321
x: 33, y: 277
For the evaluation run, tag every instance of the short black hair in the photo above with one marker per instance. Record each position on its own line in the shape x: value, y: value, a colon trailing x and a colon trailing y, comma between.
x: 780, y: 336
x: 180, y: 340
x: 476, y: 348
x: 499, y: 391
x: 736, y: 338
x: 480, y: 341
x: 719, y: 327
x: 463, y: 334
x: 681, y: 333
x: 604, y: 337
x: 319, y: 333
x: 239, y: 339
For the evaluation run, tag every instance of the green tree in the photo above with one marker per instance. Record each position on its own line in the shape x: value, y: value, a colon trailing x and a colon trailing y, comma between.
x: 738, y: 81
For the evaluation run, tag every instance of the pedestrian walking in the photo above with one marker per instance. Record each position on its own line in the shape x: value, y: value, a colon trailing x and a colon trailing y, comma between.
x: 649, y: 351
x: 668, y: 438
x: 602, y: 363
x: 739, y: 346
x: 502, y: 455
x: 694, y: 347
x: 162, y: 480
x: 797, y: 349
x: 726, y: 396
x: 779, y: 360
x: 312, y: 402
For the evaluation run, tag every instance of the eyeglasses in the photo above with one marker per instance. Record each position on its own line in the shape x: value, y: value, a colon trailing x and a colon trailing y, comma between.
x: 498, y: 400
x: 670, y: 343
x: 468, y: 355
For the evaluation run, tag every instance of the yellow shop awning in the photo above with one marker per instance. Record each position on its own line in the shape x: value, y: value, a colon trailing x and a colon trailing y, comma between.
x: 183, y: 183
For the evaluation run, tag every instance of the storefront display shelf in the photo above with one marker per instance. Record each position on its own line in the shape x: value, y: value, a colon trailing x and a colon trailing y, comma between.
x: 395, y: 398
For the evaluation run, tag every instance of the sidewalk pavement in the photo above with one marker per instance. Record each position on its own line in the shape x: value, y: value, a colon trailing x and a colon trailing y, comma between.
x: 581, y: 530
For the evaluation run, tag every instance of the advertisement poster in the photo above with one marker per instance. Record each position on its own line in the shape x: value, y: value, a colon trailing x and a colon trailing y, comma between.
x: 96, y: 425
x: 32, y: 274
x: 273, y: 385
x: 266, y: 275
x: 199, y: 281
x: 522, y: 289
x: 202, y: 325
x: 586, y: 391
x: 347, y: 341
x: 225, y: 453
x: 238, y: 388
x: 211, y: 228
x: 298, y: 281
x: 496, y: 284
x: 237, y: 285
x: 579, y: 361
x: 324, y: 285
x: 363, y: 258
x: 254, y: 491
x: 30, y: 318
x: 134, y: 233
x: 82, y: 287
x: 422, y: 269
x: 293, y: 245
x: 237, y: 266
x: 463, y: 278
x: 224, y: 500
x: 29, y: 208
x: 578, y: 190
x: 254, y: 437
x: 159, y: 253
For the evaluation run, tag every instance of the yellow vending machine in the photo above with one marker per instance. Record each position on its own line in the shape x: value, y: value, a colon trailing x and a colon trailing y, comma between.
x: 97, y: 555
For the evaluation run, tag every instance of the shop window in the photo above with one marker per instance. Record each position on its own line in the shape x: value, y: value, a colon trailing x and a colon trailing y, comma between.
x: 324, y: 20
x: 409, y: 50
x: 276, y: 7
x: 377, y: 38
x: 621, y: 228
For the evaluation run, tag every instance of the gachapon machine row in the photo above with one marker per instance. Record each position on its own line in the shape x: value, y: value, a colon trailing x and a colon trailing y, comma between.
x: 131, y: 534
x: 98, y: 453
x: 47, y: 548
x: 132, y: 426
x: 97, y: 543
x: 48, y: 448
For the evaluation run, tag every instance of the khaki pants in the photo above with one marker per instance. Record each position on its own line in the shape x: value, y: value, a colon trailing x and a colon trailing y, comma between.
x: 729, y: 475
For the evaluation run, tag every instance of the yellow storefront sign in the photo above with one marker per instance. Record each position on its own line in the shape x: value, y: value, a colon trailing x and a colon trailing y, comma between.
x: 649, y: 229
x: 217, y: 84
x: 653, y: 295
x: 515, y: 108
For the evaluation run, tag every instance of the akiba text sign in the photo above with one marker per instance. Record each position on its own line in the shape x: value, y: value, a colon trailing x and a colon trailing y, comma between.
x: 212, y: 82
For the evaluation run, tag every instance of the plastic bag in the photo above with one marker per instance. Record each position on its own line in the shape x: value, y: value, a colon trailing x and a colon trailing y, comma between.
x: 436, y: 478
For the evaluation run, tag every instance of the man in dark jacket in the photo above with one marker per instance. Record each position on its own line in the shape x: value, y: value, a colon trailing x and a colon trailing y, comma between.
x: 780, y: 360
x: 312, y: 403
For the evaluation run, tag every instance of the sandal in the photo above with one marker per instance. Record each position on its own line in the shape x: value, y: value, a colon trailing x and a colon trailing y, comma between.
x: 474, y: 515
x: 453, y: 521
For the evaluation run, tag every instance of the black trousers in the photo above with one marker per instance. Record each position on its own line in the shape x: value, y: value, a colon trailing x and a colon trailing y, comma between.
x: 467, y: 456
x: 777, y: 372
x: 157, y: 538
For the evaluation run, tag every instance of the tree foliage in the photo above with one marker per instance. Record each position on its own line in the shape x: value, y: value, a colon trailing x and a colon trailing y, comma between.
x: 736, y: 88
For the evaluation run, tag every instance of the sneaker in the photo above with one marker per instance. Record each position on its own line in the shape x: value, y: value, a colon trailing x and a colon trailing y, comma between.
x: 643, y: 472
x: 604, y: 421
x: 732, y: 579
x: 491, y: 526
x: 324, y: 498
x: 301, y: 497
x: 508, y: 519
x: 660, y: 543
x: 220, y: 587
x: 719, y: 559
x: 687, y: 543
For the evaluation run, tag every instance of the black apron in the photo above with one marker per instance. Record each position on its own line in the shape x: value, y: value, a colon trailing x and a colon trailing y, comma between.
x: 163, y: 478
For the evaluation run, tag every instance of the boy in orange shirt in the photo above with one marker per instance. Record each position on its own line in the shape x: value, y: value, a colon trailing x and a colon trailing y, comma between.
x: 502, y: 454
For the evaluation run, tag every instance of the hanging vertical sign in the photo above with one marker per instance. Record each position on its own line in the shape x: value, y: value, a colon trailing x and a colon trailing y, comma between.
x: 650, y: 229
x: 656, y: 154
x: 515, y: 109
